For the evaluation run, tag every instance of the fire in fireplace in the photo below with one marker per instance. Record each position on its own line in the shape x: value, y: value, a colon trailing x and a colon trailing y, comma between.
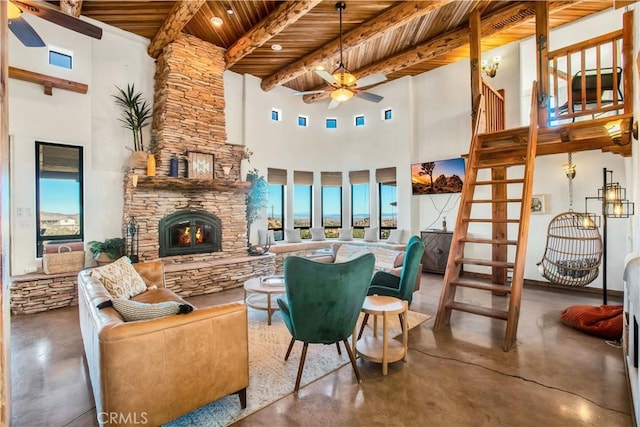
x: 189, y: 232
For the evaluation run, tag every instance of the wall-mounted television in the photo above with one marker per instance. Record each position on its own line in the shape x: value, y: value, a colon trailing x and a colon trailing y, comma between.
x: 439, y: 177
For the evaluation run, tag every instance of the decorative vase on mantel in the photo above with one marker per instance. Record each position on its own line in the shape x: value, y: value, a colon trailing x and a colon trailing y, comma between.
x: 244, y: 169
x: 151, y: 165
x: 138, y: 160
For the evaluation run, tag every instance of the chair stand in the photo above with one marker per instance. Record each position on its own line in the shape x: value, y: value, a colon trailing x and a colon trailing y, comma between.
x: 242, y: 394
x: 338, y: 347
x: 353, y: 361
x: 286, y: 357
x: 301, y: 367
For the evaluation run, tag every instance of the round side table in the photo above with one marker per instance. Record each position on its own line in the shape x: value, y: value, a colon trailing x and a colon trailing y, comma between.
x: 259, y: 290
x: 382, y: 349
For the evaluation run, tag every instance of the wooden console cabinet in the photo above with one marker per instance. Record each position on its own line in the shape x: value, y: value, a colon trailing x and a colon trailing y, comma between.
x: 436, y: 250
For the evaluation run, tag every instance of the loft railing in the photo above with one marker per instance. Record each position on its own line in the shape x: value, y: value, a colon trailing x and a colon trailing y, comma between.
x: 494, y: 108
x: 586, y: 78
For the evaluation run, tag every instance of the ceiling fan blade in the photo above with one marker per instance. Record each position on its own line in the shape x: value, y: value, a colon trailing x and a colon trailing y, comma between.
x: 55, y: 16
x: 25, y: 32
x: 309, y: 92
x: 371, y: 80
x: 333, y: 104
x: 369, y: 96
x: 326, y: 77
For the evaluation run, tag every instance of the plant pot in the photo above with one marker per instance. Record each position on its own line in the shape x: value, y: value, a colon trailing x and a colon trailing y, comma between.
x: 138, y: 159
x: 103, y: 259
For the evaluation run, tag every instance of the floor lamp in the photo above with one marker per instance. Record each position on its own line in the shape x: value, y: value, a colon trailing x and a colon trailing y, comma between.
x: 613, y: 198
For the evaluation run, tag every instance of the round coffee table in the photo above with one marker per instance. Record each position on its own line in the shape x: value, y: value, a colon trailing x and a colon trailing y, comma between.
x: 259, y: 290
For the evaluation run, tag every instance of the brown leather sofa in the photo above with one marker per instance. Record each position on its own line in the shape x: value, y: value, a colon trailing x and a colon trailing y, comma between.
x: 153, y: 371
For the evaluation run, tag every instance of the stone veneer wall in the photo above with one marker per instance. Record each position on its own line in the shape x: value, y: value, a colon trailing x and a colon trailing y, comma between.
x: 32, y: 293
x: 188, y: 115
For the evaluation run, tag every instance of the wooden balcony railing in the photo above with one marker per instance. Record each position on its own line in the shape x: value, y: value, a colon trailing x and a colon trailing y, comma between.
x: 494, y: 108
x: 586, y: 78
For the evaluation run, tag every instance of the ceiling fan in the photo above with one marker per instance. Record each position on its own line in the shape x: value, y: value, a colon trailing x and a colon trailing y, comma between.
x: 29, y: 37
x: 344, y: 84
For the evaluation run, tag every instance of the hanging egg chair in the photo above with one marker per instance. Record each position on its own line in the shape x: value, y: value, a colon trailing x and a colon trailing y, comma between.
x: 573, y: 251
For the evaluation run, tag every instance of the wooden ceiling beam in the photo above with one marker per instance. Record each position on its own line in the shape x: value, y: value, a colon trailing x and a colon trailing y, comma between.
x: 178, y: 17
x: 501, y: 20
x: 287, y: 13
x: 71, y: 7
x: 388, y: 20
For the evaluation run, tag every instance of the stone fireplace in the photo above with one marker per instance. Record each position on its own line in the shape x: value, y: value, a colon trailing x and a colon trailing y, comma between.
x: 197, y: 226
x: 189, y: 232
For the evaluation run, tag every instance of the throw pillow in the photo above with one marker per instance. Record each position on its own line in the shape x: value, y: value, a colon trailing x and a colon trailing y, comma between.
x: 317, y: 234
x: 134, y: 310
x: 263, y: 235
x: 293, y: 235
x: 120, y: 278
x: 395, y: 237
x: 604, y: 321
x: 345, y: 234
x: 371, y: 234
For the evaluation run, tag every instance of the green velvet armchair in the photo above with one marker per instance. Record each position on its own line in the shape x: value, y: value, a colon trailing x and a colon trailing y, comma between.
x: 323, y: 302
x: 401, y: 287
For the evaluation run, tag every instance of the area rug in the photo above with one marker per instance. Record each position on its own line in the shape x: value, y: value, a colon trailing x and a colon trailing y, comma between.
x: 270, y: 377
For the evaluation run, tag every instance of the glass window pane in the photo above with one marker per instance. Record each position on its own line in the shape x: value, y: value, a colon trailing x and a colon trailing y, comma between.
x: 302, y: 206
x: 331, y: 210
x: 275, y: 207
x: 388, y: 209
x: 360, y: 216
x: 60, y: 59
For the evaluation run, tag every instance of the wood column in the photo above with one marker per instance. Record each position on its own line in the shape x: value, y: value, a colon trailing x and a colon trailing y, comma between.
x: 475, y: 56
x: 542, y: 51
x: 5, y: 370
x: 499, y: 229
x: 627, y: 60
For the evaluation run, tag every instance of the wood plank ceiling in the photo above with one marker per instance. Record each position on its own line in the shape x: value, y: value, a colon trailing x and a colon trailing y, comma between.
x: 439, y: 27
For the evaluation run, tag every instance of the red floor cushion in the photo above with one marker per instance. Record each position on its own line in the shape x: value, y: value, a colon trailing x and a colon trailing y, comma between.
x: 604, y: 321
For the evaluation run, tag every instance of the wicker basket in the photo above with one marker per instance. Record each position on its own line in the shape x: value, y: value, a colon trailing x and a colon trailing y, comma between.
x: 63, y: 262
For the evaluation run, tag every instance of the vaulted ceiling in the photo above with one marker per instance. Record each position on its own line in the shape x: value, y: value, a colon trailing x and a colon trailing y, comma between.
x: 396, y: 38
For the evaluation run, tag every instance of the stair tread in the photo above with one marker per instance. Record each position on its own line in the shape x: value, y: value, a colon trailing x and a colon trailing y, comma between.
x: 495, y: 221
x: 498, y: 163
x: 508, y: 146
x: 495, y: 201
x: 485, y: 262
x: 482, y: 311
x: 481, y: 285
x: 501, y: 181
x: 489, y: 241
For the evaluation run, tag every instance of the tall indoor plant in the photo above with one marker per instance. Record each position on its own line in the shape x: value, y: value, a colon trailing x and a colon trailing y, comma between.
x: 255, y: 199
x: 135, y: 116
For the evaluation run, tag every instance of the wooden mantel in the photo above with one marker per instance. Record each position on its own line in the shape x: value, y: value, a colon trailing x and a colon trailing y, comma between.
x: 49, y: 82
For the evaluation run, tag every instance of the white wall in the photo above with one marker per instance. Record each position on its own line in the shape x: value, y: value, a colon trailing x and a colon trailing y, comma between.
x: 89, y: 120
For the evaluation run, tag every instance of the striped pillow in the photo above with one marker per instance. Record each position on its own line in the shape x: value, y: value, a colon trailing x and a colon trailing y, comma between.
x: 134, y: 310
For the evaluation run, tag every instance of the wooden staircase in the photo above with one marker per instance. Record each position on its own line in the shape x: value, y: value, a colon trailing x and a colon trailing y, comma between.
x: 509, y: 158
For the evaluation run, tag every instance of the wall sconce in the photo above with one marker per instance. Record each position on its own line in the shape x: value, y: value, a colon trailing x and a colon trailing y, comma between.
x: 615, y: 131
x: 491, y: 68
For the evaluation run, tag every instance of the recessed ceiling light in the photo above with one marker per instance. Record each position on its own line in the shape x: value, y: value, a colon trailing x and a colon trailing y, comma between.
x: 276, y: 47
x: 229, y: 11
x: 217, y: 21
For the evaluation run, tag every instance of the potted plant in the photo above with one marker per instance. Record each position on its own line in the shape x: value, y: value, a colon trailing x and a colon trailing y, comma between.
x: 135, y: 116
x: 107, y: 251
x: 255, y: 199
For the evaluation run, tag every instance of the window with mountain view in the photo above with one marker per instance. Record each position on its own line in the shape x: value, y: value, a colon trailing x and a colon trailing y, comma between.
x: 388, y: 205
x: 275, y: 210
x: 360, y: 215
x: 331, y: 210
x: 59, y: 202
x: 302, y: 209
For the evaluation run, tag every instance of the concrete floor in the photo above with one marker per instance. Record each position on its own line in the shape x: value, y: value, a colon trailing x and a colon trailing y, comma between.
x: 555, y: 376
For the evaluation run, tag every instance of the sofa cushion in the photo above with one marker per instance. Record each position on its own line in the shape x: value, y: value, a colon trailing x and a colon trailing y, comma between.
x: 263, y: 235
x: 395, y: 236
x: 317, y: 234
x: 120, y: 278
x: 132, y: 311
x: 371, y: 234
x: 293, y: 235
x: 345, y: 234
x: 386, y: 259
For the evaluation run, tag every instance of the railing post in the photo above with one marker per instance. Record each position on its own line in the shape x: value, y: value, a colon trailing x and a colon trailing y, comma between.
x: 627, y: 60
x: 475, y: 56
x: 542, y: 50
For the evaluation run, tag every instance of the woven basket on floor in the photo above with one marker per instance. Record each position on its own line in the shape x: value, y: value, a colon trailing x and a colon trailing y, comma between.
x: 63, y: 262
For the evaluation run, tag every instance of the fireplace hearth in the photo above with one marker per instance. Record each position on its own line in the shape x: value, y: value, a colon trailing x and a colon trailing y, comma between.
x: 189, y: 232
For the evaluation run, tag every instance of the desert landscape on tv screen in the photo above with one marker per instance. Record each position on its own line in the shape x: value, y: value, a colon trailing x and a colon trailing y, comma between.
x: 440, y: 177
